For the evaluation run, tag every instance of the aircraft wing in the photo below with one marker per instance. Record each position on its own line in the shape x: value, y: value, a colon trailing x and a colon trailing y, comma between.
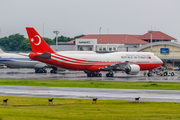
x: 121, y: 66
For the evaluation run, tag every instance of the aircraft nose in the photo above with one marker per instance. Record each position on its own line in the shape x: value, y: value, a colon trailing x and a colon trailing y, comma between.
x: 159, y: 60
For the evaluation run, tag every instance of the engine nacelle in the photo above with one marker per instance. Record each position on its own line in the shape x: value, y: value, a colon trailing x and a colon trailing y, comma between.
x: 40, y: 65
x: 132, y: 69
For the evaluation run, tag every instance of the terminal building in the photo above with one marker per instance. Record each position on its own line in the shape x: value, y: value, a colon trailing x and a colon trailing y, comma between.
x: 164, y: 46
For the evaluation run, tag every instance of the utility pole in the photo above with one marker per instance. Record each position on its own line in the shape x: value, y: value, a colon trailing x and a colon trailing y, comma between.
x: 43, y: 29
x: 151, y: 32
x: 56, y: 32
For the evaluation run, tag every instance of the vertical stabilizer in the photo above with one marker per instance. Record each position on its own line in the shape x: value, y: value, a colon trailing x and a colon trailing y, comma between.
x: 1, y: 51
x: 38, y: 44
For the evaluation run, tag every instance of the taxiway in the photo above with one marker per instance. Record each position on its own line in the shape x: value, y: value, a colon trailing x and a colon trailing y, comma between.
x: 79, y: 75
x: 88, y: 93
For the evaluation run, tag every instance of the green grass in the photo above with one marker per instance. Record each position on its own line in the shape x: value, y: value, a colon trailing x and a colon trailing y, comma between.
x: 93, y: 84
x: 31, y: 108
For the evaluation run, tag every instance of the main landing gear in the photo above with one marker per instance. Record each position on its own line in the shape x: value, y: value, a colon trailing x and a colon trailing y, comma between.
x: 149, y: 73
x: 110, y: 74
x: 98, y: 74
x: 41, y: 70
x: 93, y: 74
x: 54, y: 70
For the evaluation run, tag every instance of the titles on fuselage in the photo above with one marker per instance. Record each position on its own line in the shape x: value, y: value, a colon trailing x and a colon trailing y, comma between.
x: 136, y: 56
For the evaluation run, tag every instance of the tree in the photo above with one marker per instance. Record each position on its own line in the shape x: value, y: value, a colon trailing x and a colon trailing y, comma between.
x: 12, y: 43
x: 17, y: 42
x: 76, y: 37
x: 66, y: 39
x: 61, y: 39
x: 48, y: 40
x: 25, y: 45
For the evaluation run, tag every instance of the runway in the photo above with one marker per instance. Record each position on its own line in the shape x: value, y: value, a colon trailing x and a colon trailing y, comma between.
x: 89, y: 93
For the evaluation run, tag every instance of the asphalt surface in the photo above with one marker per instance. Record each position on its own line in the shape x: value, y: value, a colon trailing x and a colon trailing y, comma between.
x: 79, y: 75
x: 88, y: 93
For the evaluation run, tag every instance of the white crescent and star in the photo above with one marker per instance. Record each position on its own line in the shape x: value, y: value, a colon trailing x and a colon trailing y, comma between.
x: 32, y: 40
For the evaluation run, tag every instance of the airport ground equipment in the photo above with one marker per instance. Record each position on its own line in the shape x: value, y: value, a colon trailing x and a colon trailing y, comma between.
x: 169, y: 73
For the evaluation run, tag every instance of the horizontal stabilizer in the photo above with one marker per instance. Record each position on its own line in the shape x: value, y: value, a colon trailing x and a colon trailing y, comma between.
x: 44, y: 56
x: 24, y: 54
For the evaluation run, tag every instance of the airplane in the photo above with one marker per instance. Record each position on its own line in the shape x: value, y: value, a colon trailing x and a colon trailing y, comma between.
x: 13, y: 60
x: 92, y: 64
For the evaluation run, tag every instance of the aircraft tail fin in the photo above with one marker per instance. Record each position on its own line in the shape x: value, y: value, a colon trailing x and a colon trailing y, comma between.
x: 1, y: 51
x: 38, y: 44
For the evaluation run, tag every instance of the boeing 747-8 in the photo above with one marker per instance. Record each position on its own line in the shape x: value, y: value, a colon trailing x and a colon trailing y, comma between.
x: 92, y: 64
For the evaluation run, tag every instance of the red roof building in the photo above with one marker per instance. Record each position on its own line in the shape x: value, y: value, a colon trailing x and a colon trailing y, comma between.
x: 114, y: 39
x: 127, y: 39
x: 118, y: 42
x: 156, y: 36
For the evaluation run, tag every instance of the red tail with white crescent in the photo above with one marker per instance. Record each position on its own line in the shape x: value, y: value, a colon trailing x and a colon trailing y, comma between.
x: 38, y: 44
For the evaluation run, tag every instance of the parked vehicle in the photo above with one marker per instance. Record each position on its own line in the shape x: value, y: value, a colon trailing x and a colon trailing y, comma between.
x: 2, y: 66
x: 168, y: 73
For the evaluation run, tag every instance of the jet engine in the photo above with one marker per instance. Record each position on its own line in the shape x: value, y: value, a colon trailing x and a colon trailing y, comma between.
x: 132, y: 69
x: 40, y: 68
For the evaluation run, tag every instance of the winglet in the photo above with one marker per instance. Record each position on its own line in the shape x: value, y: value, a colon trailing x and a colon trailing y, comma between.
x: 38, y: 44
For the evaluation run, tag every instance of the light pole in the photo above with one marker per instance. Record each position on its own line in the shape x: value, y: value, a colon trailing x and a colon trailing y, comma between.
x: 56, y: 32
x: 151, y: 32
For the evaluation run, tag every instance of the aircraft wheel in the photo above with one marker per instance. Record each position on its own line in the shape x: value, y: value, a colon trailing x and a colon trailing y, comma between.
x: 172, y: 74
x: 45, y: 71
x: 149, y: 74
x: 100, y: 75
x: 39, y: 71
x: 165, y: 74
x: 96, y: 74
x: 112, y: 75
x: 36, y: 71
x: 89, y: 74
x: 107, y: 75
x: 53, y: 71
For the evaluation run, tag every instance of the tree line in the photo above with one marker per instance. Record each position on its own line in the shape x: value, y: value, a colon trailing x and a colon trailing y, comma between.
x: 17, y: 42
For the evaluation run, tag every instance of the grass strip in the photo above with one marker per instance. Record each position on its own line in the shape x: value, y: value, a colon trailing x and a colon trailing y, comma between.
x: 93, y: 84
x: 32, y: 108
